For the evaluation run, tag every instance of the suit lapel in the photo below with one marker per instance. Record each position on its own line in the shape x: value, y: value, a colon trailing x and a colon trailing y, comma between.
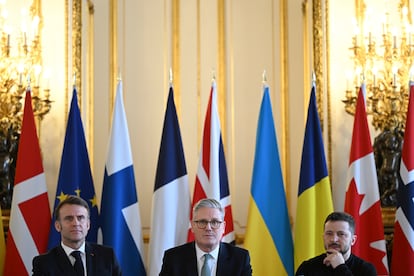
x: 63, y: 262
x: 192, y: 260
x: 222, y: 260
x: 90, y: 259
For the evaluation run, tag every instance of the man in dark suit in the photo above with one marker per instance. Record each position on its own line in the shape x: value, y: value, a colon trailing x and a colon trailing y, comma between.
x: 75, y: 256
x: 207, y: 255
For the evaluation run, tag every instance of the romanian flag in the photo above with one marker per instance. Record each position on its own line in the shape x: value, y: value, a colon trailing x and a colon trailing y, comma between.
x: 268, y: 235
x: 314, y: 192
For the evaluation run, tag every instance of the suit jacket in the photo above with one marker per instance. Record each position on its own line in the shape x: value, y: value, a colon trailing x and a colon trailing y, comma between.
x: 100, y: 261
x: 182, y: 260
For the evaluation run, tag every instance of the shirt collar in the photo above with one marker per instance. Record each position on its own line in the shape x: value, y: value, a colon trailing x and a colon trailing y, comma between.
x: 200, y: 253
x: 69, y: 250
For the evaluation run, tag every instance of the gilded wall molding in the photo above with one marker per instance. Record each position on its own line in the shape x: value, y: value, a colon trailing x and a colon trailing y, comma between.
x: 284, y: 87
x: 318, y: 57
x: 222, y: 69
x: 113, y: 53
x: 77, y: 46
x: 74, y: 64
x: 176, y: 65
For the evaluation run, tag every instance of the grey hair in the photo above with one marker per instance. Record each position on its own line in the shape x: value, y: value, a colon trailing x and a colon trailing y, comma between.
x: 208, y: 203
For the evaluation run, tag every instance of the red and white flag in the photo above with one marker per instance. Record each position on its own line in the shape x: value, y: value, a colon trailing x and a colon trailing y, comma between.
x: 30, y: 211
x: 211, y: 179
x: 403, y: 244
x: 362, y: 199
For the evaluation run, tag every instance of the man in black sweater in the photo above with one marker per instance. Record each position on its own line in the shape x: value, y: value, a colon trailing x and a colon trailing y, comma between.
x: 338, y: 237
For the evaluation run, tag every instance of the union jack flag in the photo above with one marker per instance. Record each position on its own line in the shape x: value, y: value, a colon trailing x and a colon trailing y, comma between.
x: 211, y: 179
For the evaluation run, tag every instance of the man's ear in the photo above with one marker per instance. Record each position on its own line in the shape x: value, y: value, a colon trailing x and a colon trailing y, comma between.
x: 354, y: 238
x: 58, y: 226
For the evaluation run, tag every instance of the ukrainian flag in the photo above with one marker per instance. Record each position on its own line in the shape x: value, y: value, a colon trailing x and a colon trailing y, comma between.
x: 268, y: 235
x: 314, y: 193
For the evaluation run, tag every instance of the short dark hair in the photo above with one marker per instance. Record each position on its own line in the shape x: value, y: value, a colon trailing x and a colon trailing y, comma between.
x: 208, y: 203
x: 342, y: 216
x: 71, y: 200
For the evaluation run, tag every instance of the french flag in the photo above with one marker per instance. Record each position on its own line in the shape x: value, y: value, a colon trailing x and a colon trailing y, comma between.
x: 171, y: 198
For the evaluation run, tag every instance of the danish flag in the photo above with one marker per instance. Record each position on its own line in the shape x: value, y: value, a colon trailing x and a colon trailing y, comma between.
x: 30, y: 212
x: 211, y: 179
x: 362, y: 199
x: 403, y: 246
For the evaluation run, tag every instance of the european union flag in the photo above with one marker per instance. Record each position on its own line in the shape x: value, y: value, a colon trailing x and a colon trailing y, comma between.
x: 75, y: 177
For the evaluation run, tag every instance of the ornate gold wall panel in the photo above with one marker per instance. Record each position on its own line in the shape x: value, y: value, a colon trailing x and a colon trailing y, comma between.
x: 74, y: 33
x: 176, y: 65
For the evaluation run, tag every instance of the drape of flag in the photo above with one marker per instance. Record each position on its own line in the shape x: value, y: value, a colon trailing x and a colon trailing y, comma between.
x: 268, y: 235
x: 75, y: 177
x: 2, y: 245
x: 171, y: 198
x: 211, y: 179
x: 362, y: 199
x: 120, y: 216
x: 30, y: 211
x: 403, y: 242
x: 314, y: 191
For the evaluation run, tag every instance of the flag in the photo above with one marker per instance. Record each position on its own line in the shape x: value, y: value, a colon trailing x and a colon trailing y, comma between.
x: 120, y: 215
x: 75, y: 177
x: 403, y: 242
x: 314, y: 192
x: 30, y: 210
x: 171, y: 198
x: 268, y: 235
x: 2, y: 245
x: 362, y: 199
x: 211, y: 179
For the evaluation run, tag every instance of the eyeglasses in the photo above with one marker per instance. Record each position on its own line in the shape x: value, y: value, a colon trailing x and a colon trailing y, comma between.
x: 215, y: 224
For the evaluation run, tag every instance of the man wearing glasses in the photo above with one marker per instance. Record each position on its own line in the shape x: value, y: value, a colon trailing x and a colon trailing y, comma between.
x: 207, y: 255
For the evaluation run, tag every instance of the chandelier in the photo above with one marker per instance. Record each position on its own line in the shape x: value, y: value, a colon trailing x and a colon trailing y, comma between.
x: 20, y: 67
x: 382, y: 53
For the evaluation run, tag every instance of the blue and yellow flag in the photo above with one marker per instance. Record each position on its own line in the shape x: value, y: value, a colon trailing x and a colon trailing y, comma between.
x: 268, y: 235
x: 314, y: 192
x: 75, y: 176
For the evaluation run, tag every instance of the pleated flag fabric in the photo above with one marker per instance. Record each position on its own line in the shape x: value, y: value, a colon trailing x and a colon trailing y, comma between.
x: 211, y: 179
x: 362, y: 198
x: 171, y: 198
x: 314, y: 192
x: 120, y: 216
x: 268, y: 235
x: 402, y: 262
x: 75, y: 176
x: 30, y: 211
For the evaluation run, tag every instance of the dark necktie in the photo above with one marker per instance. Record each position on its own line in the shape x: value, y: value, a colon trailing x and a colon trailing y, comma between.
x: 78, y: 265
